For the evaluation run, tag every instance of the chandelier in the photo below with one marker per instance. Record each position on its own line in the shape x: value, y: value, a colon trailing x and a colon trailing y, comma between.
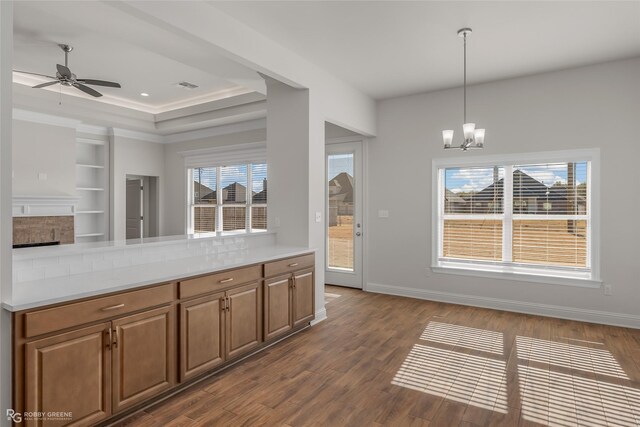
x: 473, y: 138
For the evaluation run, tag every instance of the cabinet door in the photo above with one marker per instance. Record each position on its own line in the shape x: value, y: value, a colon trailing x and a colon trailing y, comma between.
x: 277, y: 306
x: 244, y: 319
x: 142, y: 356
x: 70, y: 372
x: 303, y: 297
x: 201, y: 335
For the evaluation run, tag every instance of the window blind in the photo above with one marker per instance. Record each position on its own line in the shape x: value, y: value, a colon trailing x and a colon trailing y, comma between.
x: 473, y: 213
x: 228, y: 198
x: 550, y: 214
x: 534, y: 215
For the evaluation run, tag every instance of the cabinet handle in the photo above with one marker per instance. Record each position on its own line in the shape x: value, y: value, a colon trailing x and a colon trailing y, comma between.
x: 293, y: 279
x: 112, y: 307
x: 115, y: 342
x: 223, y: 304
x: 109, y: 339
x: 230, y: 279
x: 295, y: 264
x: 228, y: 303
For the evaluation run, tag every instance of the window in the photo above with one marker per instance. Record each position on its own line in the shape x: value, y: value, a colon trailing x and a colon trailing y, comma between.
x: 519, y: 217
x: 228, y: 198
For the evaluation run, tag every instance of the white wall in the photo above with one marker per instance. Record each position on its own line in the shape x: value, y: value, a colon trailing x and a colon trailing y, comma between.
x: 132, y: 157
x: 42, y: 148
x: 594, y: 106
x: 175, y: 189
x: 6, y: 238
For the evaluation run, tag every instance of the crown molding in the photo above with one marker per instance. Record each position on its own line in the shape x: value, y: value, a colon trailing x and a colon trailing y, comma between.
x: 93, y: 129
x: 216, y: 131
x: 45, y: 119
x: 133, y: 134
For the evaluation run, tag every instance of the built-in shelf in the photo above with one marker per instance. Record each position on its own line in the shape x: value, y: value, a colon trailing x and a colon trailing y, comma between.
x: 92, y: 184
x: 90, y: 235
x: 89, y: 212
x: 81, y: 165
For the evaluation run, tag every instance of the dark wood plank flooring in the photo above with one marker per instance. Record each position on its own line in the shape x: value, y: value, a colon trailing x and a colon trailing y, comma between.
x: 385, y: 360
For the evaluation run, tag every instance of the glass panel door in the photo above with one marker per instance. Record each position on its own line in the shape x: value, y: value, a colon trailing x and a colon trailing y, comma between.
x: 344, y: 224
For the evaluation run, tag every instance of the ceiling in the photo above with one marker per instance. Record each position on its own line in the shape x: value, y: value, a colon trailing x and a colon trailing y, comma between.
x: 112, y: 44
x: 392, y: 48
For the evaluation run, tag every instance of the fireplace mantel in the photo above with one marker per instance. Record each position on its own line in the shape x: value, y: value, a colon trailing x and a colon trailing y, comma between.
x: 44, y: 205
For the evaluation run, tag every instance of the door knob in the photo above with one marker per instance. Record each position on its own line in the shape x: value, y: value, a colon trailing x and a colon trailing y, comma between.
x: 358, y: 233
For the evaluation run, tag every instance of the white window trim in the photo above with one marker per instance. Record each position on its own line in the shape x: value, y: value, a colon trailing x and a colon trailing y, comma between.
x: 514, y: 272
x: 216, y: 157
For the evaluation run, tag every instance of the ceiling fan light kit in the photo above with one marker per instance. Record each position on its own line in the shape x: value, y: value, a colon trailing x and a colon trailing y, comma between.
x: 65, y: 77
x: 473, y: 138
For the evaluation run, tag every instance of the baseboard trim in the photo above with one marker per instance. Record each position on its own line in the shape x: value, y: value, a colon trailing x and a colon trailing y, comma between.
x: 320, y: 316
x: 562, y: 312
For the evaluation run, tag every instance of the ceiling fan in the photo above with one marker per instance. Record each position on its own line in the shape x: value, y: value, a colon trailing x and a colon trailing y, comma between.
x: 65, y: 77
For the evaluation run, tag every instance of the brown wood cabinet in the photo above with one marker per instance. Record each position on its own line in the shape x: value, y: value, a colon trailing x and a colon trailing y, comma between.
x: 70, y: 372
x: 244, y: 319
x: 289, y: 300
x: 303, y: 296
x: 106, y: 356
x: 142, y: 356
x: 277, y: 306
x: 202, y: 335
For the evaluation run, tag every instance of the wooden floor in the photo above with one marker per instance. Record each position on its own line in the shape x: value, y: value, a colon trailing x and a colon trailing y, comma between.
x: 384, y: 360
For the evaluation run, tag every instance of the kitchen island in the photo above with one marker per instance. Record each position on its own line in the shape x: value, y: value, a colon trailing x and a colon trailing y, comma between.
x: 106, y: 329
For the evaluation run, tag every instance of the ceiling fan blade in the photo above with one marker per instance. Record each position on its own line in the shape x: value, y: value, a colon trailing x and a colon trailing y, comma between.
x: 98, y: 82
x: 64, y: 71
x: 45, y: 84
x: 34, y: 74
x: 87, y: 89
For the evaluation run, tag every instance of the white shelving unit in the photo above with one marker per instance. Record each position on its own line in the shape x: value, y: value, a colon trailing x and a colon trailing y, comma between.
x: 92, y: 181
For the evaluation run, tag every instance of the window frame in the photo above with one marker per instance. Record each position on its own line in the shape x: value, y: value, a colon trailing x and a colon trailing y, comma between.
x: 519, y: 272
x: 220, y: 205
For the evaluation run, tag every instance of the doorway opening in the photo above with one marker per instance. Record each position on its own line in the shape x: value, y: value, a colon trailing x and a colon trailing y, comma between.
x: 142, y: 207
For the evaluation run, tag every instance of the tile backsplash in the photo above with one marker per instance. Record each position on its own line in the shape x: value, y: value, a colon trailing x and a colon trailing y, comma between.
x: 83, y: 258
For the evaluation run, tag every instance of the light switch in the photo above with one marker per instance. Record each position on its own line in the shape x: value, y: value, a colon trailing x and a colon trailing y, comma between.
x: 318, y: 216
x: 42, y: 176
x: 383, y: 214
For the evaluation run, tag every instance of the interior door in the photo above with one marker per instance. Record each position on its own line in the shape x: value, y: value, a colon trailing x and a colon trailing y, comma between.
x: 344, y: 214
x: 134, y: 209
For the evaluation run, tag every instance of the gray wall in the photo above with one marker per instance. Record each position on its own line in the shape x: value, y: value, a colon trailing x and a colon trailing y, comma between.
x: 588, y: 107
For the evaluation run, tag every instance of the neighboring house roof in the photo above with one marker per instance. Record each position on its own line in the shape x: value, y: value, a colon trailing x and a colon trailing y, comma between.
x: 451, y: 197
x: 203, y: 192
x: 341, y: 188
x: 524, y: 187
x: 260, y: 197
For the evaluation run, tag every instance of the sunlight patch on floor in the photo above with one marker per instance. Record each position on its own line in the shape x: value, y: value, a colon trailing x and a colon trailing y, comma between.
x: 595, y: 360
x: 463, y: 336
x: 460, y: 377
x: 561, y: 399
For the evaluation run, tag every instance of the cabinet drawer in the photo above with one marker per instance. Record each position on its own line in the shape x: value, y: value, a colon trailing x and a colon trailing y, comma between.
x: 57, y: 318
x: 217, y: 281
x: 289, y: 265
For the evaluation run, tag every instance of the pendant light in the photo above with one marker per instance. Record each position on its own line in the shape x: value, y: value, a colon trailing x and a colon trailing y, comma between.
x: 473, y: 138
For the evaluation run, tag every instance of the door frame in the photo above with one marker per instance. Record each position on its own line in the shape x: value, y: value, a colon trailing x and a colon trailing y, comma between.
x: 355, y: 140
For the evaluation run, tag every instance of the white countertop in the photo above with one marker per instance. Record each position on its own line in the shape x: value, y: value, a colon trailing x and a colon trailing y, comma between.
x: 39, y: 293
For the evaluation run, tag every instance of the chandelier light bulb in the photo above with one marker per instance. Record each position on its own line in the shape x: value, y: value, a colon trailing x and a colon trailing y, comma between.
x: 447, y: 137
x: 468, y: 129
x: 478, y: 136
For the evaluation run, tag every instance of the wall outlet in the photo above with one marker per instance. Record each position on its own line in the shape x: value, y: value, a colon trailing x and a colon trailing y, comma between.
x: 608, y: 290
x: 42, y: 176
x: 383, y: 214
x: 318, y: 216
